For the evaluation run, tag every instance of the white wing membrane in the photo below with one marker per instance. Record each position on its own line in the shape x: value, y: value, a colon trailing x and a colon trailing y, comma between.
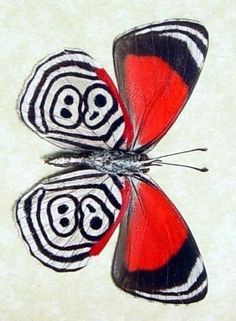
x: 66, y: 102
x: 63, y: 217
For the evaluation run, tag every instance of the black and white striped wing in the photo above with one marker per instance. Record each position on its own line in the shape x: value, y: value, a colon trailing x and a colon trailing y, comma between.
x: 69, y: 218
x: 71, y: 101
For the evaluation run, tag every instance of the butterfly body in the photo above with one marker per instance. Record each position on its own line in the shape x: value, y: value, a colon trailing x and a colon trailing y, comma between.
x: 113, y: 162
x: 71, y: 101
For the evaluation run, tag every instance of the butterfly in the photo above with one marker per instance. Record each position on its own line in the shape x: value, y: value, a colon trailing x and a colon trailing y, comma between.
x: 70, y: 101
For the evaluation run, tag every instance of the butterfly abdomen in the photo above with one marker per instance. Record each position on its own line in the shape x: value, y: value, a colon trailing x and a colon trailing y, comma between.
x: 113, y: 162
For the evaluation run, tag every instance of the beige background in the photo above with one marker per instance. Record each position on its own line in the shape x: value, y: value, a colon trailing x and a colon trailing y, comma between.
x: 30, y: 30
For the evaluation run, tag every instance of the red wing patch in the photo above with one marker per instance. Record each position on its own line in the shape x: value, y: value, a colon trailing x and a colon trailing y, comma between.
x: 156, y: 232
x: 156, y: 94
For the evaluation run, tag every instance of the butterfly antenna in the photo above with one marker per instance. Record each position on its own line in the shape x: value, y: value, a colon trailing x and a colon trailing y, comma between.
x: 200, y: 169
x: 184, y: 152
x: 158, y: 161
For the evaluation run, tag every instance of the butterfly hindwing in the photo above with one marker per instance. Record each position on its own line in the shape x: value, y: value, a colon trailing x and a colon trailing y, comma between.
x: 71, y: 101
x: 157, y: 67
x: 69, y: 218
x: 156, y: 255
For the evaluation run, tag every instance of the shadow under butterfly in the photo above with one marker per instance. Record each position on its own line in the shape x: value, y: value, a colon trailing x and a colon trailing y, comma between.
x: 70, y: 101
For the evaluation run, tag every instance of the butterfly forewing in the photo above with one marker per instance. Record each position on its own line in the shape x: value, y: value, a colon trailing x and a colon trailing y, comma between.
x: 72, y: 102
x: 68, y: 218
x: 157, y: 67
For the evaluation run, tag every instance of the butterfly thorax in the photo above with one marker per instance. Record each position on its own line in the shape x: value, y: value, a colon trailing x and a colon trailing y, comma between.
x: 113, y: 161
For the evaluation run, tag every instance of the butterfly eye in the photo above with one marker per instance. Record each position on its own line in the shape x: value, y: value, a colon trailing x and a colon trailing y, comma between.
x: 95, y: 218
x: 66, y: 106
x: 63, y: 214
x: 98, y: 103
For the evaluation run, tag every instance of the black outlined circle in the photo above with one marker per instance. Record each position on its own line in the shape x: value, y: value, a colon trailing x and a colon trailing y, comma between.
x: 92, y: 208
x: 65, y: 110
x: 99, y: 105
x: 60, y: 209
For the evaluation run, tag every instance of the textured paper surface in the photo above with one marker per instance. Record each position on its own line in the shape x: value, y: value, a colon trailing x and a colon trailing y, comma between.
x: 30, y: 30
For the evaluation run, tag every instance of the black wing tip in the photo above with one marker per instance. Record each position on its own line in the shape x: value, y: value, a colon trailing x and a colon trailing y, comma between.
x: 197, y: 25
x: 178, y: 300
x: 165, y: 300
x: 152, y: 286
